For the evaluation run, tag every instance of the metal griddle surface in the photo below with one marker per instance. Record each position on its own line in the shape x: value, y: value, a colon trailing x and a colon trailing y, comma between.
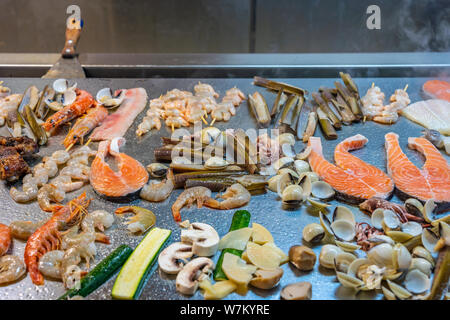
x: 286, y: 226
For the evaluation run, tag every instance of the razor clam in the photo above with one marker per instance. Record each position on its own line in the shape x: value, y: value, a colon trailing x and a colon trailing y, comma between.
x: 310, y: 126
x: 275, y: 85
x: 329, y: 113
x: 326, y: 126
x: 259, y: 108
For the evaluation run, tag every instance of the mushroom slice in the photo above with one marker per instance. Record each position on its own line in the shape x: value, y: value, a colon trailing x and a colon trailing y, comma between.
x: 416, y: 281
x: 171, y: 259
x: 236, y: 239
x: 203, y: 237
x: 237, y: 269
x: 188, y: 278
x: 266, y: 279
x: 260, y: 235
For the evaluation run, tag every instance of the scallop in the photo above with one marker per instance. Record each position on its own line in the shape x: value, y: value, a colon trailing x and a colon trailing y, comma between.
x: 313, y: 233
x: 429, y: 239
x: 416, y: 281
x: 157, y: 170
x: 412, y: 228
x: 321, y: 190
x: 216, y: 163
x: 344, y: 213
x: 343, y: 229
x: 106, y: 97
x: 377, y: 218
x: 421, y: 264
x: 343, y: 261
x: 390, y: 220
x: 301, y: 166
x: 327, y: 255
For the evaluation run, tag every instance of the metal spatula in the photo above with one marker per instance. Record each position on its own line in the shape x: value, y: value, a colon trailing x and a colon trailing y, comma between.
x: 68, y: 65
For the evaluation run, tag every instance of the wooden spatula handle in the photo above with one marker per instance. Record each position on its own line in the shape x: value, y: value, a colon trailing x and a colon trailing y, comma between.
x: 72, y: 36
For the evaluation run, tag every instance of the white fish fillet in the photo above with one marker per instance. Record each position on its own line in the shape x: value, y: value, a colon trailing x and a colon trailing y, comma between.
x: 117, y: 123
x: 432, y: 114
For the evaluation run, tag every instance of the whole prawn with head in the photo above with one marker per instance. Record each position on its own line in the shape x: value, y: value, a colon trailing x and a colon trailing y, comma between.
x: 48, y: 236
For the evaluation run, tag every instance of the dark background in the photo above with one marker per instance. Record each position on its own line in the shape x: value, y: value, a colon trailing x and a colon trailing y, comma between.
x: 228, y: 26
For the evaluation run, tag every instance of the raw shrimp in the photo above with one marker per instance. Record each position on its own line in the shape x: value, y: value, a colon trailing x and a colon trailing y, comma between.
x: 76, y: 171
x: 51, y: 166
x: 83, y: 151
x: 5, y: 238
x: 102, y: 219
x: 176, y: 122
x: 194, y: 111
x: 148, y: 123
x: 235, y: 196
x: 234, y: 95
x: 11, y: 269
x: 205, y: 89
x: 65, y: 183
x: 188, y: 197
x: 82, y: 103
x: 50, y: 264
x: 156, y: 192
x: 88, y: 235
x: 29, y: 192
x: 48, y: 238
x: 93, y: 117
x: 70, y: 271
x: 50, y: 193
x: 143, y: 219
x: 24, y: 229
x: 223, y: 111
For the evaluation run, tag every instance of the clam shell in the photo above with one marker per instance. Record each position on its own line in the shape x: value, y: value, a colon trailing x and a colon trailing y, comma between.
x: 381, y: 255
x: 284, y: 181
x: 157, y: 170
x: 301, y: 166
x: 343, y: 261
x: 321, y: 190
x: 412, y: 228
x: 401, y: 257
x: 318, y: 204
x: 292, y: 193
x: 209, y: 135
x: 313, y: 233
x: 398, y: 236
x: 344, y: 213
x: 288, y: 150
x: 347, y: 246
x: 416, y: 281
x: 398, y: 290
x: 216, y: 163
x: 377, y: 218
x: 388, y: 294
x: 414, y: 207
x: 343, y: 229
x: 428, y: 209
x: 282, y: 162
x: 429, y: 239
x: 327, y: 255
x: 60, y: 85
x: 286, y: 138
x: 355, y: 265
x: 390, y: 220
x: 306, y: 183
x: 381, y: 238
x: 325, y: 223
x: 304, y: 154
x: 421, y: 264
x: 349, y: 281
x: 421, y: 252
x: 69, y: 97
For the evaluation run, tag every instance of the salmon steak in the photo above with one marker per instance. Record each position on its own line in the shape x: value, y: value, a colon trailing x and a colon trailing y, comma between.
x: 353, y: 179
x: 130, y: 177
x: 116, y: 124
x: 430, y: 182
x: 437, y: 89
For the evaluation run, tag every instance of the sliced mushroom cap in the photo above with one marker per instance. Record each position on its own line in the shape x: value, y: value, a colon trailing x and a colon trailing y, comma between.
x: 171, y: 259
x: 266, y: 279
x: 203, y: 237
x: 188, y: 278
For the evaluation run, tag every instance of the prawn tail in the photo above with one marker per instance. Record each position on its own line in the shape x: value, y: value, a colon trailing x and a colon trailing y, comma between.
x: 31, y: 262
x: 103, y: 238
x: 176, y: 214
x: 211, y: 203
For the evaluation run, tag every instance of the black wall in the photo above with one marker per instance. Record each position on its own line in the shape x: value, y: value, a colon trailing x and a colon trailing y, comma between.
x: 228, y: 26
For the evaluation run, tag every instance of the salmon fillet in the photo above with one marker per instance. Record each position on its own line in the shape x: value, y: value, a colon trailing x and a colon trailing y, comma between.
x: 117, y: 123
x: 430, y: 182
x: 437, y: 89
x: 130, y: 176
x: 352, y: 186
